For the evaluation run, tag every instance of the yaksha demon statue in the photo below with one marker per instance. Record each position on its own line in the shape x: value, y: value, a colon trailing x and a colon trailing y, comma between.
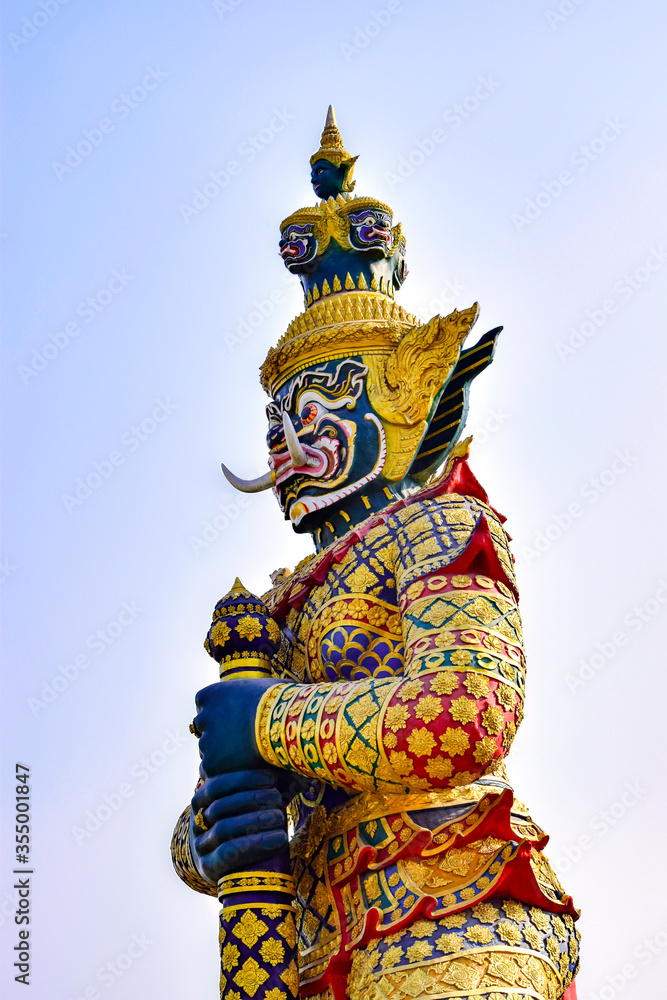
x: 373, y: 693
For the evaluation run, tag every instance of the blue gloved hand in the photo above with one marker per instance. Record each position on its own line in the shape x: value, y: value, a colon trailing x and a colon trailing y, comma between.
x: 246, y: 821
x: 226, y: 720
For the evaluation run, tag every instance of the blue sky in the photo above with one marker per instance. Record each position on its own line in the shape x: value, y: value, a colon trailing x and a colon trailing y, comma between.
x: 522, y: 147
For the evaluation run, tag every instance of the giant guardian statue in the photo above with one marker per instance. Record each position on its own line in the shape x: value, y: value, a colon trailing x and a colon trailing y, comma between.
x: 353, y: 814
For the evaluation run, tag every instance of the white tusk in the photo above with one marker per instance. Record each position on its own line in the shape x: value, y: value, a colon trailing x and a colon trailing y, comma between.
x: 297, y: 454
x: 264, y: 482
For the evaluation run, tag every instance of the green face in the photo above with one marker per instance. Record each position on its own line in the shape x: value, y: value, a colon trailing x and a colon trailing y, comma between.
x: 327, y: 179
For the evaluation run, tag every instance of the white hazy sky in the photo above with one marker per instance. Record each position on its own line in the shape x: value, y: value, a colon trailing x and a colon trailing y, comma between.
x: 543, y: 199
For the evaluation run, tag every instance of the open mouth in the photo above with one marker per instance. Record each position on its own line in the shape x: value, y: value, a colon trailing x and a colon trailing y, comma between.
x: 310, y: 504
x: 323, y: 461
x: 376, y: 232
x: 290, y: 250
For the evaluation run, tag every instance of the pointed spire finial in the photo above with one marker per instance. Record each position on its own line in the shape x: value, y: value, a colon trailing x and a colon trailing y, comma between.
x: 331, y: 137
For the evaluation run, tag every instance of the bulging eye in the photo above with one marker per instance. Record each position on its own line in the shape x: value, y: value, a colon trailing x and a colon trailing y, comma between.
x: 308, y: 413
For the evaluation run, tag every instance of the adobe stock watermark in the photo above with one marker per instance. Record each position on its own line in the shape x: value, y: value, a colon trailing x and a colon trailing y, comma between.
x: 212, y: 529
x: 493, y: 421
x: 636, y: 619
x: 8, y: 905
x: 116, y: 968
x: 648, y: 949
x: 130, y: 441
x: 121, y: 108
x: 248, y: 149
x: 566, y: 8
x: 88, y: 310
x: 140, y: 773
x: 591, y: 491
x: 222, y: 7
x: 444, y: 301
x: 599, y: 826
x: 262, y: 309
x: 35, y: 22
x: 364, y: 34
x: 7, y: 569
x: 453, y: 118
x: 98, y: 642
x: 581, y: 158
x: 625, y: 288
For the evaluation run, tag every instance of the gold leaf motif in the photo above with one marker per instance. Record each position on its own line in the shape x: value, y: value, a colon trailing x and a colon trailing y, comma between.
x: 421, y: 742
x: 457, y: 861
x: 506, y: 696
x: 361, y: 579
x: 458, y: 781
x: 461, y: 658
x: 463, y: 710
x: 249, y: 929
x: 454, y: 920
x: 439, y: 767
x: 508, y: 932
x: 431, y: 547
x: 445, y: 682
x: 400, y: 762
x: 476, y: 685
x: 230, y: 957
x: 533, y: 938
x: 396, y: 717
x: 449, y: 943
x: 249, y: 628
x: 479, y: 935
x: 515, y: 911
x: 272, y: 951
x: 308, y: 729
x: 485, y: 913
x: 455, y: 742
x: 428, y: 708
x: 220, y: 633
x: 485, y: 750
x: 377, y: 616
x: 251, y: 976
x: 418, y: 951
x: 361, y: 709
x: 391, y: 956
x: 290, y: 977
x: 409, y: 690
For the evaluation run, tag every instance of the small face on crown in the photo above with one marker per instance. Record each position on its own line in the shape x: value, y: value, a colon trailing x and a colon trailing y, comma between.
x: 298, y: 245
x: 370, y: 229
x: 325, y: 442
x: 327, y: 178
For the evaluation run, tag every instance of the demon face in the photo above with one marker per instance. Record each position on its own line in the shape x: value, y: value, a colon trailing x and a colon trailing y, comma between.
x: 325, y: 442
x: 298, y: 245
x: 370, y: 229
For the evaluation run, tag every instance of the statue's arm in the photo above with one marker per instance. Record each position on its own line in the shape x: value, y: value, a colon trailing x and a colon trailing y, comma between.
x: 455, y: 710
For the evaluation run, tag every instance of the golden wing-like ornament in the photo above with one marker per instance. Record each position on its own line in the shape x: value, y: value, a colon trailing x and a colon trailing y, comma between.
x: 404, y: 385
